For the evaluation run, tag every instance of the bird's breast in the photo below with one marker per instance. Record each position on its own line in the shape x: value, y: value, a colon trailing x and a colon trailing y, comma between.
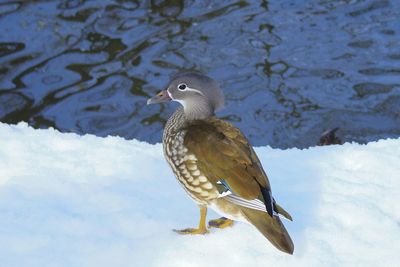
x: 185, y: 167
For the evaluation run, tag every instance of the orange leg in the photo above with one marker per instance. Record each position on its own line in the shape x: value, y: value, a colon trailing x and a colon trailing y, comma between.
x: 202, y: 229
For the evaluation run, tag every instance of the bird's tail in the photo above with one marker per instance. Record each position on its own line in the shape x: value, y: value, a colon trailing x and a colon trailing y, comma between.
x: 271, y: 227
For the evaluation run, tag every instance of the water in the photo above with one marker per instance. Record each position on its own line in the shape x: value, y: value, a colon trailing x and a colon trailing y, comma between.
x: 290, y: 69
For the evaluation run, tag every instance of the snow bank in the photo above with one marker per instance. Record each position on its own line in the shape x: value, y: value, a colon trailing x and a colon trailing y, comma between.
x: 69, y: 200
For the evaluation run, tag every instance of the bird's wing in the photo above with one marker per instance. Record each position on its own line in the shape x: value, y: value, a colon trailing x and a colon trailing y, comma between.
x: 223, y: 153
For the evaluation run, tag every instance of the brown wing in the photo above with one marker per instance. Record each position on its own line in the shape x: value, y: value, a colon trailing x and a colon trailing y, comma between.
x: 224, y: 153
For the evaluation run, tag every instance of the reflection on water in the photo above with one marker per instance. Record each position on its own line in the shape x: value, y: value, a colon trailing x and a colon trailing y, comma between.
x: 290, y: 69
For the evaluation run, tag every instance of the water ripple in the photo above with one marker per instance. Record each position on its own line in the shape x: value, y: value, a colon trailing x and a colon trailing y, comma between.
x: 290, y: 69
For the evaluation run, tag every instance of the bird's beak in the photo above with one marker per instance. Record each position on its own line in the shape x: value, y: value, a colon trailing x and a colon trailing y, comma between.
x: 161, y: 97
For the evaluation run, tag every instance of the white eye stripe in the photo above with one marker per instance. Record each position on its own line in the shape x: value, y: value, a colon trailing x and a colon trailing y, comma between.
x: 193, y: 90
x: 183, y: 87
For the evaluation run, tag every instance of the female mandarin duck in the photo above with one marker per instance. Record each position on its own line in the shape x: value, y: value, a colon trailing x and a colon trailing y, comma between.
x: 215, y: 163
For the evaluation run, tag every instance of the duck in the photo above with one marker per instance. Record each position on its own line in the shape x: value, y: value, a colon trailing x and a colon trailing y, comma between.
x: 215, y: 163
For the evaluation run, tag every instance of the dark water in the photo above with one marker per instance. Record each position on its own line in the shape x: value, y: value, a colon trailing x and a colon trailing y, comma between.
x: 290, y: 69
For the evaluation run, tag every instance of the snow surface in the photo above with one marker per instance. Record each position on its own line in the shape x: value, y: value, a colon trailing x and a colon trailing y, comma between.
x: 69, y: 200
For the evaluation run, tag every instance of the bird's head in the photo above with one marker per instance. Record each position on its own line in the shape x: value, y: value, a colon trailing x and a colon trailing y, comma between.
x: 199, y: 95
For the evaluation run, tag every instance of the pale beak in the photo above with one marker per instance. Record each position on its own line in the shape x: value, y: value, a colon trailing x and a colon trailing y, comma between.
x: 161, y: 97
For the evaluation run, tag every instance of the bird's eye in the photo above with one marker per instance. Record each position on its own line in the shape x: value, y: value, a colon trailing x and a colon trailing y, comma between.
x: 182, y: 86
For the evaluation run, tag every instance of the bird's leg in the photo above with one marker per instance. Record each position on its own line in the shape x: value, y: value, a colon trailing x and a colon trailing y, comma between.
x: 202, y: 225
x: 220, y: 223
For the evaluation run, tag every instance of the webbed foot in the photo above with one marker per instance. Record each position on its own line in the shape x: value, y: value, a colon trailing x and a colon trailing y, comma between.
x: 220, y: 223
x: 192, y: 231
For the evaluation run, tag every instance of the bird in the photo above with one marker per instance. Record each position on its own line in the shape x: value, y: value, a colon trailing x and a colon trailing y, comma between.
x: 215, y: 163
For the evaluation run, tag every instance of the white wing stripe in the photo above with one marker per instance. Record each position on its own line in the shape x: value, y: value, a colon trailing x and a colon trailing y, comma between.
x: 255, y: 204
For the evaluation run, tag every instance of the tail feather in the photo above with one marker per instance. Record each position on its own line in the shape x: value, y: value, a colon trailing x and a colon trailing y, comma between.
x: 271, y: 227
x: 282, y: 212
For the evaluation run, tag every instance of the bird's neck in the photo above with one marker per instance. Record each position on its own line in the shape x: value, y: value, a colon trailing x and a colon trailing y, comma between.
x: 197, y: 109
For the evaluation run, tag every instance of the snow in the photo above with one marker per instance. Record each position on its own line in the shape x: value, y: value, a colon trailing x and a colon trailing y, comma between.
x: 69, y: 200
